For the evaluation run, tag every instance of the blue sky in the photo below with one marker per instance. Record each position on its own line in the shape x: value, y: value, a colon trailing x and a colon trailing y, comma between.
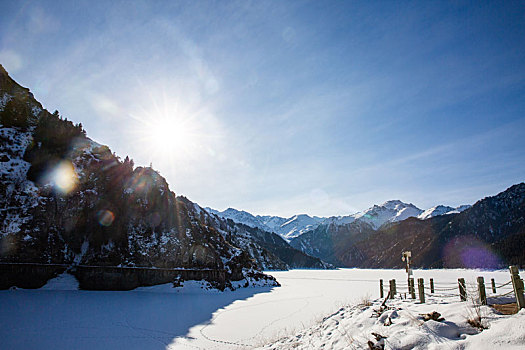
x: 285, y: 107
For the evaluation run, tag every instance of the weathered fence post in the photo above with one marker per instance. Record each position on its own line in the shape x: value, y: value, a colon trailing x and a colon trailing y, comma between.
x: 517, y: 283
x: 381, y: 288
x: 412, y: 288
x: 493, y: 285
x: 481, y: 291
x: 462, y: 289
x: 432, y: 285
x: 421, y: 289
x: 391, y: 293
x: 395, y: 287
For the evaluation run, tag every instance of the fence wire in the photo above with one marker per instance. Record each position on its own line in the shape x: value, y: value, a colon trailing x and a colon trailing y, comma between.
x: 502, y: 295
x: 445, y: 290
x: 504, y: 284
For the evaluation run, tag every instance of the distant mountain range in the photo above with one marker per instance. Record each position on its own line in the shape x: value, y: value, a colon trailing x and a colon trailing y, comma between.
x: 489, y: 234
x: 376, y: 216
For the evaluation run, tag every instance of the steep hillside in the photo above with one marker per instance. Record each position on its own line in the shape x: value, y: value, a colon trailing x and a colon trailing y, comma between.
x: 68, y: 200
x: 274, y: 245
x: 329, y: 242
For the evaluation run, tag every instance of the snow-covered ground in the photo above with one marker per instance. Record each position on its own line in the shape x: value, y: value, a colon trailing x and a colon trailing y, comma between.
x: 60, y: 317
x: 401, y: 325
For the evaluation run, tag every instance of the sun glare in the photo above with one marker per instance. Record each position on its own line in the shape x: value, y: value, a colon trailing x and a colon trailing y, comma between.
x: 167, y: 135
x: 174, y: 130
x: 173, y: 133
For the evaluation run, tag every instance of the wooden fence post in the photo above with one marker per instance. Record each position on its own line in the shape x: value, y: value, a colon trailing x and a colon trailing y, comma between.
x: 381, y: 289
x: 462, y: 289
x: 493, y: 285
x: 421, y: 289
x: 481, y: 291
x: 391, y: 293
x: 432, y: 285
x: 412, y: 288
x: 395, y: 287
x: 517, y: 283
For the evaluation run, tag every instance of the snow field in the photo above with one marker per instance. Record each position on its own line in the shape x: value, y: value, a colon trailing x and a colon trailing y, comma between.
x: 160, y: 317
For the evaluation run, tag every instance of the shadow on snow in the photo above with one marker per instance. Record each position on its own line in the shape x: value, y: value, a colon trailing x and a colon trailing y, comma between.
x: 39, y: 319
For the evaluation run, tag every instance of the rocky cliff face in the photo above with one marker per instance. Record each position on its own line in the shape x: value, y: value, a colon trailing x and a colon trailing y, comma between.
x: 66, y: 199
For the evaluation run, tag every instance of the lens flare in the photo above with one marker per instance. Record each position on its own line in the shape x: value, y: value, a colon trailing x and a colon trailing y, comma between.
x: 63, y: 177
x: 105, y: 217
x: 469, y: 252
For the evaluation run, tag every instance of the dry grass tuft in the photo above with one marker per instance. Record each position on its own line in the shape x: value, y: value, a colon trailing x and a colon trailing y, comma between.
x: 365, y: 301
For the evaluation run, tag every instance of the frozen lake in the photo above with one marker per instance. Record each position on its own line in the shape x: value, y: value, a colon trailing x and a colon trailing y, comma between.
x: 158, y: 318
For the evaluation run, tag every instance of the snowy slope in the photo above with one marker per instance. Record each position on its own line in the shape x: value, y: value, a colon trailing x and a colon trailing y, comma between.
x: 441, y: 210
x: 297, y: 225
x: 272, y: 222
x: 378, y: 215
x: 239, y: 216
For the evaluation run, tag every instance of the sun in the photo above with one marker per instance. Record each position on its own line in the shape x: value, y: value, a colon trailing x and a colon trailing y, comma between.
x: 174, y: 132
x: 169, y: 135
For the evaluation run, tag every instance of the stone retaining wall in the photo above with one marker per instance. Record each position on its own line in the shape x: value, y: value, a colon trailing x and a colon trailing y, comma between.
x: 31, y: 276
x: 126, y: 278
x: 28, y: 275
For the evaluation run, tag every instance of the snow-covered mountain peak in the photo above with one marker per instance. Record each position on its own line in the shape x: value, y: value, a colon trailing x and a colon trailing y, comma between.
x: 299, y: 224
x: 396, y: 204
x: 240, y: 216
x: 463, y: 207
x: 441, y: 210
x: 302, y: 218
x: 392, y: 204
x: 390, y: 211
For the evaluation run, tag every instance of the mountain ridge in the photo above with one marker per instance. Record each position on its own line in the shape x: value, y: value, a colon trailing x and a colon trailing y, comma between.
x: 296, y: 225
x: 490, y: 234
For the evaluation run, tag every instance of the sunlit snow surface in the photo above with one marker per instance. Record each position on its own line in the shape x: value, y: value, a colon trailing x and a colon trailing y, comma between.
x: 59, y: 317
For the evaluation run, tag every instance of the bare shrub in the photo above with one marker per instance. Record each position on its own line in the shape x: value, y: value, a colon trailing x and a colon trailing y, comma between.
x: 475, y: 315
